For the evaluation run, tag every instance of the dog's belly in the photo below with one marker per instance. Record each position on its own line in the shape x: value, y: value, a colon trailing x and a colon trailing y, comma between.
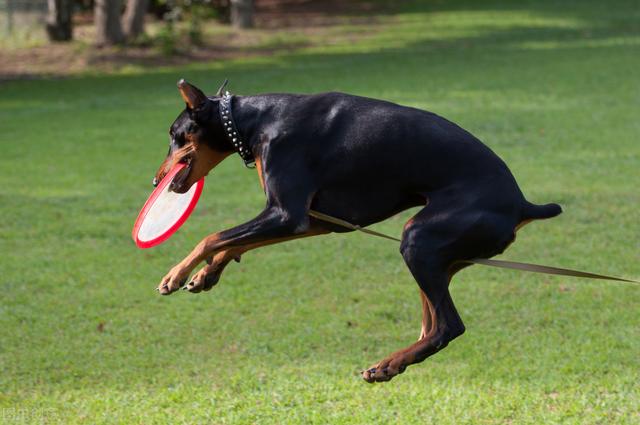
x: 363, y: 207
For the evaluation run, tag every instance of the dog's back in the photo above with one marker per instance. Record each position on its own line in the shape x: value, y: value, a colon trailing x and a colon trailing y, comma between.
x: 372, y: 151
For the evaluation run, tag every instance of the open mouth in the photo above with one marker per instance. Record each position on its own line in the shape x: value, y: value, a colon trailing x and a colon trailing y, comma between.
x: 179, y: 182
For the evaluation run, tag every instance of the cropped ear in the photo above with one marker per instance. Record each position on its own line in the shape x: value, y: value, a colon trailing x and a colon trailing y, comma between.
x: 192, y: 95
x: 222, y: 87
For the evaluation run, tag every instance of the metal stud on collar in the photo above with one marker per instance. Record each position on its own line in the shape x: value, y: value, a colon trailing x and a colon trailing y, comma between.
x: 232, y: 132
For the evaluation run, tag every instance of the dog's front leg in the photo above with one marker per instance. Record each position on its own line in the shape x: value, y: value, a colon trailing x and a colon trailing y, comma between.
x: 274, y: 224
x: 208, y: 276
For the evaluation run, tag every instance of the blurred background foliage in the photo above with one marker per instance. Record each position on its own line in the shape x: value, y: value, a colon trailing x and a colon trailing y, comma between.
x: 37, y: 38
x: 117, y: 21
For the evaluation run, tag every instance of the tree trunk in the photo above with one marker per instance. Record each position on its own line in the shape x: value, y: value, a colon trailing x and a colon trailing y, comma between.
x: 107, y: 22
x: 58, y: 23
x: 242, y: 13
x: 133, y: 19
x: 9, y: 9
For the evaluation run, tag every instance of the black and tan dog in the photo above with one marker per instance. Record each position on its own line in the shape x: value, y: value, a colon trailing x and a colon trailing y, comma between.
x: 360, y: 160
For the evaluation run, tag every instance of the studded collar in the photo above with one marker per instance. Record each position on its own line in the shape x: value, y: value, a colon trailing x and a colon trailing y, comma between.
x: 230, y: 129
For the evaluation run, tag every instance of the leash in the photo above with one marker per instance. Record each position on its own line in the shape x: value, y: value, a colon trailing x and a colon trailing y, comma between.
x: 512, y: 265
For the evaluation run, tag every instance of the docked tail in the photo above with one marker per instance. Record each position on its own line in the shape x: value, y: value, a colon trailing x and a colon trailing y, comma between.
x: 535, y: 212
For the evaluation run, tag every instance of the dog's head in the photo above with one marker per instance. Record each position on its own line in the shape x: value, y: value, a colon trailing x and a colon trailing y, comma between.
x: 196, y: 138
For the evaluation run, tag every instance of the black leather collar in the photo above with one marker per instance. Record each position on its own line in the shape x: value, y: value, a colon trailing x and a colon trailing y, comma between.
x: 230, y: 129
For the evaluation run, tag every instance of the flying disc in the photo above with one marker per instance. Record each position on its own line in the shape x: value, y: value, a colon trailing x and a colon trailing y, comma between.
x: 165, y: 211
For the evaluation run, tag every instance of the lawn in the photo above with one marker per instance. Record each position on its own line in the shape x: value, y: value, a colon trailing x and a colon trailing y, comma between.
x: 552, y: 87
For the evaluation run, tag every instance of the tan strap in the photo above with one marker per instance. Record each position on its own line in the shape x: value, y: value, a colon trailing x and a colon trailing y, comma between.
x: 514, y: 265
x: 348, y: 225
x: 536, y: 268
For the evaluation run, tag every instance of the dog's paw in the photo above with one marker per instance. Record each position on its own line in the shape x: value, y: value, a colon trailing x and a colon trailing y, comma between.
x: 205, y: 279
x: 209, y: 275
x: 173, y: 280
x: 385, y: 370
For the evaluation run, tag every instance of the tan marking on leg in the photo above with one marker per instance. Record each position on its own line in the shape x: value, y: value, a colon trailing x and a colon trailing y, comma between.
x: 206, y: 247
x: 310, y: 232
x: 408, y: 224
x: 428, y: 317
x: 200, y: 253
x: 259, y: 169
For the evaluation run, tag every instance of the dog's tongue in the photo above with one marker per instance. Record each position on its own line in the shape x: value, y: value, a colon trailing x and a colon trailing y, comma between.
x: 180, y: 178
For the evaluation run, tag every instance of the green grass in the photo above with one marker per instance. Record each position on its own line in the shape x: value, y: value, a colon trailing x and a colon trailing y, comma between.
x: 552, y: 87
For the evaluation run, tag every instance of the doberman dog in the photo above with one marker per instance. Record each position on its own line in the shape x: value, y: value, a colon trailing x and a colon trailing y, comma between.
x: 361, y: 160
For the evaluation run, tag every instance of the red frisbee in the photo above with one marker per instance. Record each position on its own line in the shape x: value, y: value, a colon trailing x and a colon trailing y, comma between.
x: 165, y: 211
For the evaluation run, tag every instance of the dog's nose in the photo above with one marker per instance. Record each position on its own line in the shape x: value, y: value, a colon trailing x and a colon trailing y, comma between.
x: 155, y: 182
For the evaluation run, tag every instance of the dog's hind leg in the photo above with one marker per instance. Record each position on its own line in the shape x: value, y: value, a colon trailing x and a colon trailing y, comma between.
x: 441, y: 322
x: 427, y: 316
x: 434, y: 245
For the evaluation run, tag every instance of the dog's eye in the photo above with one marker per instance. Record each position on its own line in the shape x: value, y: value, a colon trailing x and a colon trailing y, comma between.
x: 178, y: 140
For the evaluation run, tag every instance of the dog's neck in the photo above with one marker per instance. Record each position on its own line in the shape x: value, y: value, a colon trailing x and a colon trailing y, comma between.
x: 258, y: 120
x: 239, y: 139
